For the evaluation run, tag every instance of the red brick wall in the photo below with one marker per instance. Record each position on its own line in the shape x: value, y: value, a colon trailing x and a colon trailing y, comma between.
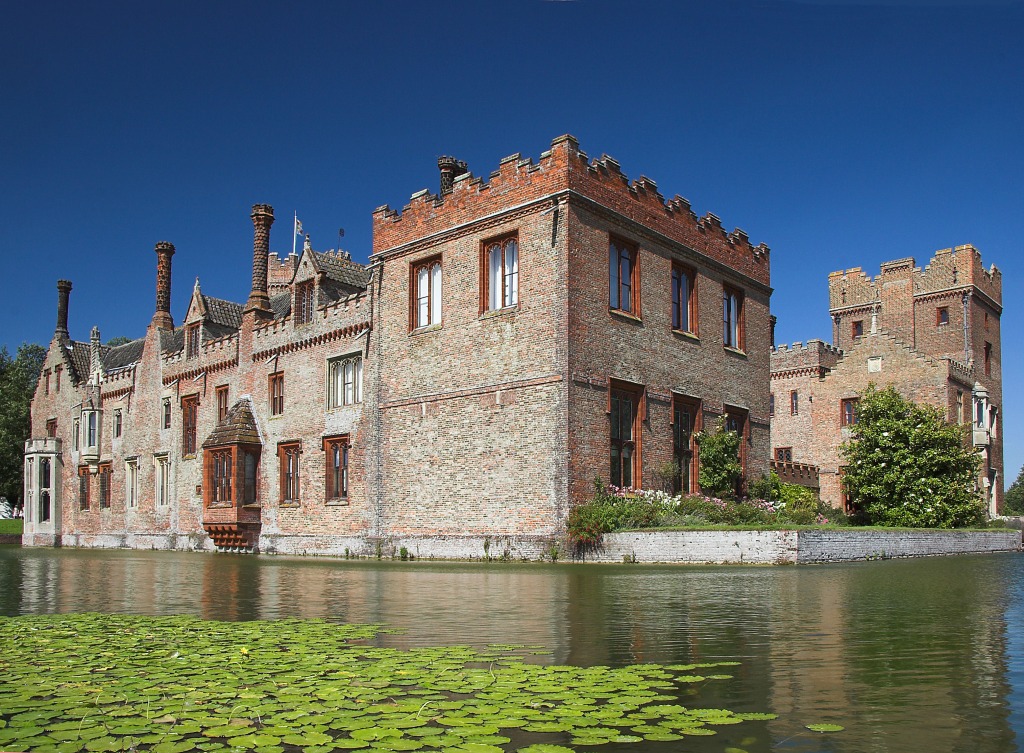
x: 644, y: 350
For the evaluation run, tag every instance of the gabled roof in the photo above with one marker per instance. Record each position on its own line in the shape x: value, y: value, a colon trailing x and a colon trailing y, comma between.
x: 171, y: 341
x: 238, y: 427
x: 223, y: 313
x: 281, y: 305
x: 122, y: 355
x: 79, y: 358
x: 342, y: 269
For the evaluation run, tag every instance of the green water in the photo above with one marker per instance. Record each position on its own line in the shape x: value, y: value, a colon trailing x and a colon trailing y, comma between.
x: 908, y: 655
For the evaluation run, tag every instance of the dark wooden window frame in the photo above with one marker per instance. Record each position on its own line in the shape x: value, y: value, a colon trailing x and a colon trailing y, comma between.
x: 337, y: 457
x: 621, y: 285
x: 189, y: 424
x: 684, y: 279
x: 222, y: 402
x: 305, y: 301
x: 193, y: 338
x: 229, y: 479
x: 618, y: 390
x: 275, y: 391
x: 738, y: 419
x: 289, y: 456
x: 106, y: 472
x: 857, y: 328
x: 941, y: 316
x: 688, y: 457
x: 733, y: 318
x: 83, y: 487
x: 848, y: 411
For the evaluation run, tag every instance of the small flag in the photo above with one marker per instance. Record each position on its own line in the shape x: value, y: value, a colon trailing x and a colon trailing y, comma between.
x: 298, y: 226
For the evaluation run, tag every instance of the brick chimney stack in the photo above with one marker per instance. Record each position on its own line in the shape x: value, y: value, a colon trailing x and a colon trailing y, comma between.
x: 162, y: 316
x: 451, y: 169
x: 262, y: 219
x: 63, y: 295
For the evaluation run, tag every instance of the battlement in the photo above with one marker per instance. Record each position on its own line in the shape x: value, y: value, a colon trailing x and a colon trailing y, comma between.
x: 949, y: 268
x: 280, y: 271
x: 960, y: 369
x: 564, y: 168
x: 814, y: 354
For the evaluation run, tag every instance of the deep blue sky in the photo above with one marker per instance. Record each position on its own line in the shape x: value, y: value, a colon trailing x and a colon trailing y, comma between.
x: 841, y: 133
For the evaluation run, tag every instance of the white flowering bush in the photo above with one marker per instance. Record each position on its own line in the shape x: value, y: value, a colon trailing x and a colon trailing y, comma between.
x: 905, y: 466
x: 614, y: 508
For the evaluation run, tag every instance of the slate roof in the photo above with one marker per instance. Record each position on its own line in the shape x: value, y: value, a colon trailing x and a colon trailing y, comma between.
x: 281, y: 305
x: 343, y: 270
x: 238, y: 427
x: 79, y: 358
x: 223, y: 314
x: 172, y: 341
x: 122, y: 355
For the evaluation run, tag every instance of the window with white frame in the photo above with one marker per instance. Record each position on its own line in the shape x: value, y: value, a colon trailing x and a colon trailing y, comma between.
x: 344, y: 381
x: 502, y: 281
x: 426, y: 293
x: 131, y: 482
x: 163, y: 480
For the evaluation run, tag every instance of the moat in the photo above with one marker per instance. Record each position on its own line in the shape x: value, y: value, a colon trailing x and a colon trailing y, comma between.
x: 906, y: 654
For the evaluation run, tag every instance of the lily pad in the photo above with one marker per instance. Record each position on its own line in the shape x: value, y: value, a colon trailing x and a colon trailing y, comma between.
x: 825, y: 727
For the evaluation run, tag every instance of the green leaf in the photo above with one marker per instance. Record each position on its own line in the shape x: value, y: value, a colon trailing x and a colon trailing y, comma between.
x: 825, y: 727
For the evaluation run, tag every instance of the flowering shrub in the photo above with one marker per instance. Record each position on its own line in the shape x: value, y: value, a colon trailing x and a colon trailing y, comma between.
x: 616, y: 508
x: 905, y: 466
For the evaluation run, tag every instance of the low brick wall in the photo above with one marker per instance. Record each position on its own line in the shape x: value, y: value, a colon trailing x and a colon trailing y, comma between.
x: 10, y: 538
x: 795, y: 547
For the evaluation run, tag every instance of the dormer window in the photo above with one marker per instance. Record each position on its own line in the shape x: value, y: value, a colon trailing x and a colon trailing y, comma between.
x: 192, y: 338
x: 304, y: 302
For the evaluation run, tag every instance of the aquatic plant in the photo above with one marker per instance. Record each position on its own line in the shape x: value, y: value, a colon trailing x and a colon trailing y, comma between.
x: 73, y: 683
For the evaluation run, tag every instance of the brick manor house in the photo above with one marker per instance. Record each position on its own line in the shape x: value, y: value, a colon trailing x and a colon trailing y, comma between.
x: 508, y: 341
x: 931, y: 333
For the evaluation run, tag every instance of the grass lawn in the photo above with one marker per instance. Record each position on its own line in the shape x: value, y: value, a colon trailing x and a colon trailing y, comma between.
x: 11, y: 526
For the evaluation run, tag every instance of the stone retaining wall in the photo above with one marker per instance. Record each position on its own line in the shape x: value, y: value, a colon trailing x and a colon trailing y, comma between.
x: 683, y: 547
x: 795, y: 547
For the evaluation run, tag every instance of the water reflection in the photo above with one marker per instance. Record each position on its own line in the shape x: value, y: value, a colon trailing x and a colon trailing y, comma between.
x: 908, y: 655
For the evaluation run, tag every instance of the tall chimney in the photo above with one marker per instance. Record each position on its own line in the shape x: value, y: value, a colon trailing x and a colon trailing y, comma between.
x: 162, y: 316
x: 262, y: 219
x: 451, y: 169
x: 63, y: 294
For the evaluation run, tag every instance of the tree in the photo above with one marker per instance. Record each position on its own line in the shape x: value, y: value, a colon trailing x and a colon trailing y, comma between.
x: 18, y: 377
x: 1013, y: 500
x: 113, y: 342
x: 720, y: 469
x: 905, y: 466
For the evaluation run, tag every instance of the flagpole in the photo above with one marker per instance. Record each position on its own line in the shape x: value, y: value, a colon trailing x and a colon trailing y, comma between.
x: 295, y: 231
